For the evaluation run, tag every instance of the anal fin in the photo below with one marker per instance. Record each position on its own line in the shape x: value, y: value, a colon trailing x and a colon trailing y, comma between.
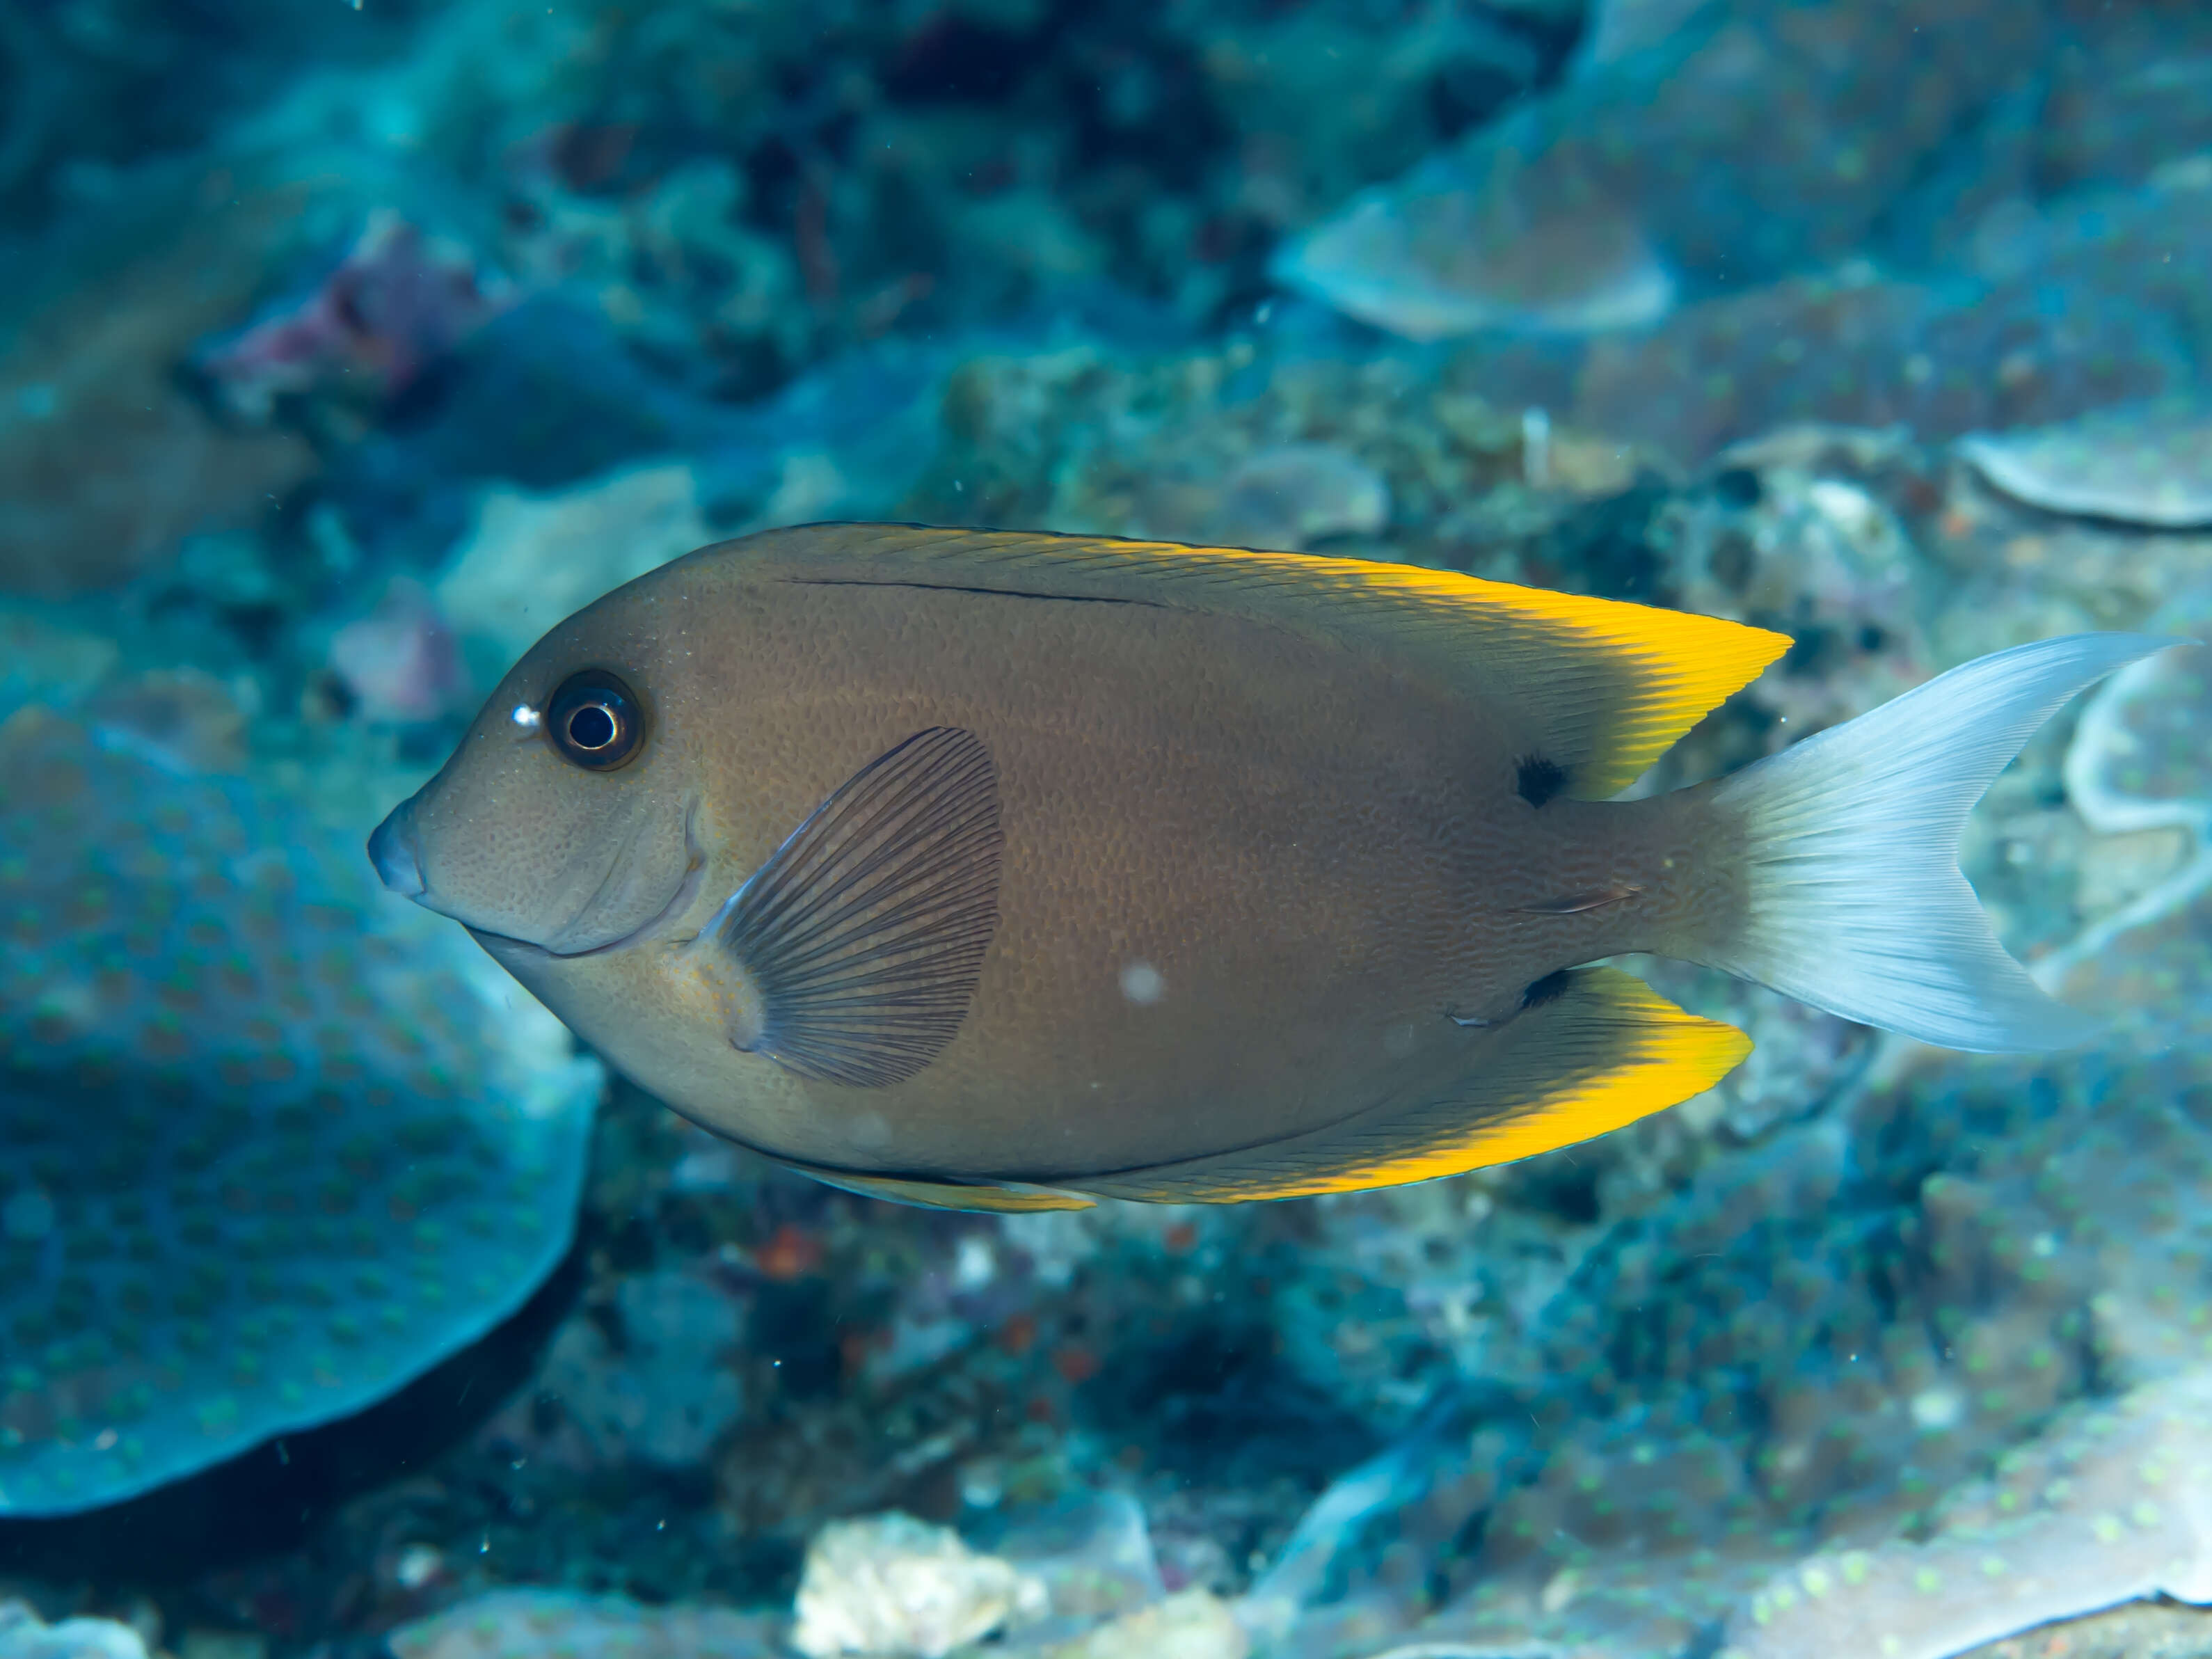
x: 1605, y: 1051
x: 946, y: 1194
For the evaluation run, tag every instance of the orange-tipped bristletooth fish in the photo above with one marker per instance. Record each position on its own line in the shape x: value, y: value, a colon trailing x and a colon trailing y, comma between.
x: 1008, y: 871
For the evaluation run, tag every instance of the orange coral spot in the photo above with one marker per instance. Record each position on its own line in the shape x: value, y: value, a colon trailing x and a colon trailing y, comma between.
x: 1074, y: 1362
x: 1019, y: 1335
x: 791, y: 1253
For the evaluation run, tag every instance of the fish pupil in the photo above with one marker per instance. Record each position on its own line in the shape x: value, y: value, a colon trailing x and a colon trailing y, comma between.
x: 596, y: 721
x: 592, y: 727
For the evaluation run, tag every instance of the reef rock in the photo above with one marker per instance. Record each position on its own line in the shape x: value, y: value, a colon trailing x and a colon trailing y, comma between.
x: 549, y: 1623
x: 890, y: 1584
x: 532, y: 560
x: 24, y: 1635
x: 106, y: 457
x: 1590, y: 208
x: 2149, y: 464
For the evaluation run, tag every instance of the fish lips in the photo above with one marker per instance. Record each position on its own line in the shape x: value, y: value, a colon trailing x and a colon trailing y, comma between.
x: 580, y: 939
x: 397, y: 854
x: 638, y: 895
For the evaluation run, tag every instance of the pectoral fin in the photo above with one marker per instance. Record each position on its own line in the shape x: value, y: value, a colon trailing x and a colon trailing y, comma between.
x: 1600, y: 1052
x: 852, y: 954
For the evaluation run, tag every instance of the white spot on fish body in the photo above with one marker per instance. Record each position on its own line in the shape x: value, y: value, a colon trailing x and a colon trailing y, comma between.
x: 1142, y: 984
x: 526, y: 717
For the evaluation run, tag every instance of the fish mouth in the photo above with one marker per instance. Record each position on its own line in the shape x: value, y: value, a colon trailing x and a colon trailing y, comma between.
x: 660, y: 922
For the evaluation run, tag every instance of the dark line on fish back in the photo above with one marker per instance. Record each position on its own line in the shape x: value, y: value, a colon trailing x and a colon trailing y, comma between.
x: 956, y: 587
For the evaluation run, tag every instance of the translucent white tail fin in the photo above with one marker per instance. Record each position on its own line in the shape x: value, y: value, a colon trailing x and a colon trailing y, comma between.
x: 1854, y: 901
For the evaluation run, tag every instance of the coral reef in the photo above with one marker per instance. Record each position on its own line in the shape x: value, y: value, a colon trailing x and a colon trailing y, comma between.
x: 529, y: 561
x: 1192, y: 1623
x: 890, y: 1584
x: 24, y: 1635
x: 539, y: 1624
x: 2109, y: 1508
x: 105, y: 460
x: 1873, y: 353
x: 1587, y: 209
x: 396, y: 304
x: 662, y: 1390
x: 2149, y: 464
x: 345, y: 349
x: 269, y: 1151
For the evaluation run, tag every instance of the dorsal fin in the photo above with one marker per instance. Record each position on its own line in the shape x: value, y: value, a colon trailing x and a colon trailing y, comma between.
x: 1598, y: 687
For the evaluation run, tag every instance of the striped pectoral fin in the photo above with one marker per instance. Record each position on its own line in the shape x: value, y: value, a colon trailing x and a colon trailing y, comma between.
x: 947, y: 1196
x: 1603, y: 1052
x: 852, y: 954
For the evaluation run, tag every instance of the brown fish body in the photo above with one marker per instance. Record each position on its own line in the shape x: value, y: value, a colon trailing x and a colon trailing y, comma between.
x: 1247, y: 880
x: 998, y: 869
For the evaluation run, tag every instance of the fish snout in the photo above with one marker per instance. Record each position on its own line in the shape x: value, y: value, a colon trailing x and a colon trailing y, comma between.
x: 393, y: 851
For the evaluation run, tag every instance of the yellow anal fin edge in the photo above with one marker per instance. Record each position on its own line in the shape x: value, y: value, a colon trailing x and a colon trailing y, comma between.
x: 1601, y: 687
x: 946, y: 1194
x: 1605, y: 1051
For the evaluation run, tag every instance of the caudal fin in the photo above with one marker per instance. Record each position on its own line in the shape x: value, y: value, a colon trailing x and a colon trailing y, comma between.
x: 1854, y: 901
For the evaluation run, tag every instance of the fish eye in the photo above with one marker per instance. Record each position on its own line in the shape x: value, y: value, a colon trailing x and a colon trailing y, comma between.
x: 595, y: 720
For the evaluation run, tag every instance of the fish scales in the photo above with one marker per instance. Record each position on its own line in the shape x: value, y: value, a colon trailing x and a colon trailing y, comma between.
x: 1311, y: 881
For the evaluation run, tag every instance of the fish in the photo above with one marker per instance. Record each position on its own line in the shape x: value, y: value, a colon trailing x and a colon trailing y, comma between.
x: 1008, y: 871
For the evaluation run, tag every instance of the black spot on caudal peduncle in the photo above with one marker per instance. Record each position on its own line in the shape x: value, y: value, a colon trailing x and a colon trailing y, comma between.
x: 1549, y: 988
x: 1539, y: 780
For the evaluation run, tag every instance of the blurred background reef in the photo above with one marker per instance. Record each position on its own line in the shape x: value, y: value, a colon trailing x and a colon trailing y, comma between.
x: 347, y: 1311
